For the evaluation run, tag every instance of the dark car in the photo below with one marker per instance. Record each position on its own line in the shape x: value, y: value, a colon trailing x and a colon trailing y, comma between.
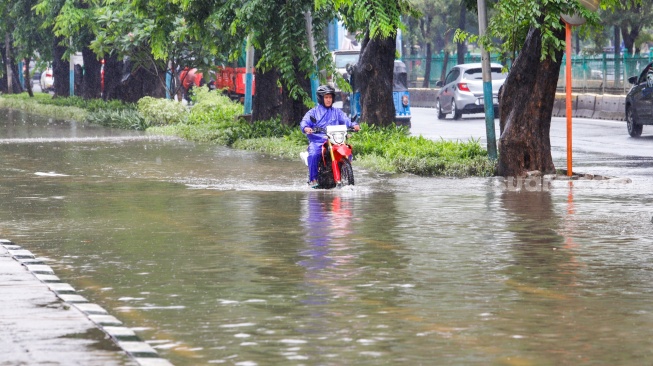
x: 639, y: 102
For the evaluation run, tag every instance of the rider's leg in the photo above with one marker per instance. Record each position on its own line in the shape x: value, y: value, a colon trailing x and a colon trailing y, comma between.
x: 314, y: 155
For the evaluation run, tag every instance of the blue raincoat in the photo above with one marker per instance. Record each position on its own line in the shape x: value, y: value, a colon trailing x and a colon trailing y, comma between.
x: 323, y: 117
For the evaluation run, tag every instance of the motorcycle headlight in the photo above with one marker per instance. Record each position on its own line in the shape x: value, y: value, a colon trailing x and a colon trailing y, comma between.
x: 339, y: 138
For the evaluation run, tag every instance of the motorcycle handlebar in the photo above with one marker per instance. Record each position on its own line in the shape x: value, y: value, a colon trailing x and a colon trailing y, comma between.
x: 318, y: 130
x: 323, y: 130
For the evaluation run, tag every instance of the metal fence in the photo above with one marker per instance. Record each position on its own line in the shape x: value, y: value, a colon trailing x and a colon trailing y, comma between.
x: 600, y: 74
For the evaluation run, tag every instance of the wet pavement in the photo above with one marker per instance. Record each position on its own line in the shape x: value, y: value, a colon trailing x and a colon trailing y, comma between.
x: 45, y: 322
x: 37, y: 328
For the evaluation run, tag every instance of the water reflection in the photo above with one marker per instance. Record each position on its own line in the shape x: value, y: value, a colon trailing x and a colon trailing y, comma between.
x: 326, y: 219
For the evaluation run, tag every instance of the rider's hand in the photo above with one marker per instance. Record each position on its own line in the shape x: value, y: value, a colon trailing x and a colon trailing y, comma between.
x: 308, y: 130
x: 357, y: 128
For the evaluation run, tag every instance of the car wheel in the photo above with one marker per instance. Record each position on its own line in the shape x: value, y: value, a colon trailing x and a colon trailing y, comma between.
x: 438, y: 109
x: 454, y: 110
x: 634, y: 129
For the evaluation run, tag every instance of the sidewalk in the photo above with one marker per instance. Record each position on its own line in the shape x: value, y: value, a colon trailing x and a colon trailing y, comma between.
x: 43, y: 321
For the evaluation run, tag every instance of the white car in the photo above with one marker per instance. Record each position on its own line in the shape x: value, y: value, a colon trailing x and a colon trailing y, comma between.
x: 47, y: 80
x: 462, y: 91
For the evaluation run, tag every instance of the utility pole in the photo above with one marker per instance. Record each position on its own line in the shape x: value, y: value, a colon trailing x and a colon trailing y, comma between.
x: 487, y: 83
x: 71, y: 71
x: 572, y: 21
x: 249, y: 75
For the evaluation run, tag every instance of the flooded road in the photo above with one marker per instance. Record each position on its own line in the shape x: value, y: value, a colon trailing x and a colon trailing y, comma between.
x: 217, y: 256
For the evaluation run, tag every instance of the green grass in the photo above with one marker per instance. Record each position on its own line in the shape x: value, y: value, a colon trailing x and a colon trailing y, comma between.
x: 215, y: 118
x: 41, y: 105
x: 392, y: 150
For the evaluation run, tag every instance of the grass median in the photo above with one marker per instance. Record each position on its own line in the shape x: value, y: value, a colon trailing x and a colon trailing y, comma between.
x: 214, y: 118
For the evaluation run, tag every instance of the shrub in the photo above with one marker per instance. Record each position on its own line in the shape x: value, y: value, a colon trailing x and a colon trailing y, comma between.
x: 122, y: 118
x: 39, y: 105
x: 157, y: 111
x: 212, y: 107
x: 297, y: 137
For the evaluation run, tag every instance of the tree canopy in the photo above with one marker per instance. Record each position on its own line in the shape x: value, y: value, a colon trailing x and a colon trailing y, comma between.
x: 155, y: 34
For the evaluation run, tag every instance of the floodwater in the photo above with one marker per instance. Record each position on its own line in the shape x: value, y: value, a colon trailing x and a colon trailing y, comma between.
x: 217, y: 256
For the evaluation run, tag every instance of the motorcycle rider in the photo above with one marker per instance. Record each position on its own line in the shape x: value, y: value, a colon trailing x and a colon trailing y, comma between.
x: 324, y: 115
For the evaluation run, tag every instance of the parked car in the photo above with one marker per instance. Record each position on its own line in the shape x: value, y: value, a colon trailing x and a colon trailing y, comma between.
x: 639, y: 102
x: 47, y: 80
x: 462, y: 90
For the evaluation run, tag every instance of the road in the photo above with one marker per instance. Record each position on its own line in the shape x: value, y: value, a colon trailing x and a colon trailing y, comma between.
x: 595, y: 143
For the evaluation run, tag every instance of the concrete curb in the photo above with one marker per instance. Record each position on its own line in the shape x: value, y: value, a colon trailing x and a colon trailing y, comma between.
x: 141, y: 352
x: 606, y: 106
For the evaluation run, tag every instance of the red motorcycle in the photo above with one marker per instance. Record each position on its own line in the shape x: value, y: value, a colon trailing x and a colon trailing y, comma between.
x: 334, y: 168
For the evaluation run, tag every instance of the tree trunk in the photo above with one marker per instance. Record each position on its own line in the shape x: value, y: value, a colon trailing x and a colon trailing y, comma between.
x: 374, y: 78
x: 140, y: 82
x: 60, y: 70
x: 27, y: 77
x: 8, y: 68
x: 526, y: 108
x: 267, y: 102
x: 292, y: 111
x: 112, y: 75
x: 427, y: 67
x: 629, y: 38
x: 617, y: 56
x: 91, y: 82
x: 445, y: 64
x: 461, y: 48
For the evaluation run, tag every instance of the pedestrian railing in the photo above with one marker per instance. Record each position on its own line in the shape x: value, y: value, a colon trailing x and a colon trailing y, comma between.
x: 598, y: 73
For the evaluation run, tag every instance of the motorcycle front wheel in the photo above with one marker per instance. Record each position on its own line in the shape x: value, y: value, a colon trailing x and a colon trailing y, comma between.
x: 325, y: 176
x: 346, y: 173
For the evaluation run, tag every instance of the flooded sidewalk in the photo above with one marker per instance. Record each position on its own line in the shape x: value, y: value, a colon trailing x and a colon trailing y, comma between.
x: 44, y: 322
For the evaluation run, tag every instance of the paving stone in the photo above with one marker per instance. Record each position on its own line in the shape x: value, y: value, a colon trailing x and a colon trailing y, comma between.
x: 41, y: 269
x: 21, y: 253
x: 139, y: 348
x: 47, y: 277
x: 29, y: 261
x: 72, y: 298
x: 61, y: 287
x: 91, y: 309
x: 152, y: 361
x: 105, y: 320
x: 119, y: 332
